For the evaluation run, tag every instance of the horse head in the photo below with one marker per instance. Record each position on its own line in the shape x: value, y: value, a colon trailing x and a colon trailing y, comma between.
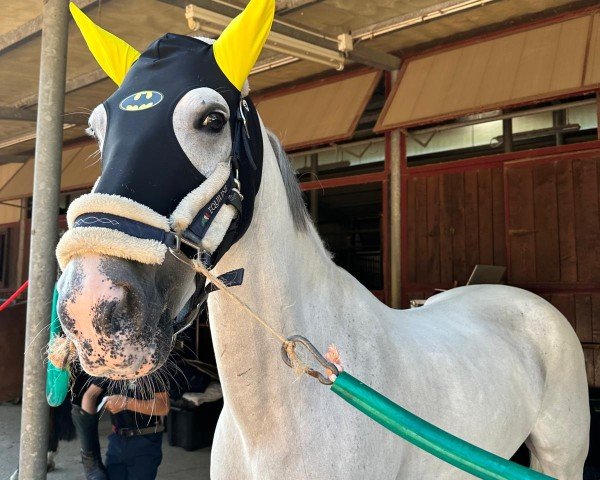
x: 181, y: 147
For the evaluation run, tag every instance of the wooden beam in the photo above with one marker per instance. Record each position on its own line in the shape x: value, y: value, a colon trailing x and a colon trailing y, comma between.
x: 75, y: 83
x: 32, y: 29
x: 22, y: 115
x: 417, y: 17
x: 4, y: 159
x: 19, y: 114
x: 361, y: 54
x: 285, y: 7
x: 374, y: 58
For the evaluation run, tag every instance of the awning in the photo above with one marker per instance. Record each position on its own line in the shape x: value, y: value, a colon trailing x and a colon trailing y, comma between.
x: 10, y: 213
x: 535, y: 64
x: 80, y: 169
x: 318, y: 113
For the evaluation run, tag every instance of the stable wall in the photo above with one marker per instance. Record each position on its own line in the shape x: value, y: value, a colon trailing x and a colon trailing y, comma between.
x: 536, y: 212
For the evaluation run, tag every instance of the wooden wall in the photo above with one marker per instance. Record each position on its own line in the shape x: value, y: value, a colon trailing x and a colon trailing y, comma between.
x: 454, y: 222
x: 540, y: 217
x: 554, y: 221
x: 13, y: 243
x: 12, y: 344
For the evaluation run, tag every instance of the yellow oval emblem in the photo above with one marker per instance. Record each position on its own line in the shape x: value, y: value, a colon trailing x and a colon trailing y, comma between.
x: 141, y: 101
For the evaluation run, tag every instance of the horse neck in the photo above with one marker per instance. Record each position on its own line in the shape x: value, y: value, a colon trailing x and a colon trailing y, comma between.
x: 288, y: 273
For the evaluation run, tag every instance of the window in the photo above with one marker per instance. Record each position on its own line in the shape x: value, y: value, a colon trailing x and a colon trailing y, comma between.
x: 338, y: 160
x: 542, y: 125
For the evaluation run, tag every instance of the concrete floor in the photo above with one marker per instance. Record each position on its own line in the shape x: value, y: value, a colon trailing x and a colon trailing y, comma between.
x: 177, y: 463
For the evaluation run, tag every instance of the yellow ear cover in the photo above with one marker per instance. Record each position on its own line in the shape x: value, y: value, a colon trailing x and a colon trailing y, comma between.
x: 240, y: 44
x: 113, y: 55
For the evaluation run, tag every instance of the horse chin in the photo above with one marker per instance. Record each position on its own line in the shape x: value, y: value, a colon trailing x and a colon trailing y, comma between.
x: 121, y: 357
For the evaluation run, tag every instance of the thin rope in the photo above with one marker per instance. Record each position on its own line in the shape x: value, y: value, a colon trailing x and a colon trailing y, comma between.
x: 14, y: 296
x: 199, y: 267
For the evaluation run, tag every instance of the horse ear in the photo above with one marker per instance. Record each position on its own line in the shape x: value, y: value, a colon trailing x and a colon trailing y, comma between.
x: 240, y: 44
x: 113, y: 55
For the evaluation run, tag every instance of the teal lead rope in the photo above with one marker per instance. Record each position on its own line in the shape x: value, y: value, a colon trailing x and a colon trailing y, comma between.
x: 434, y: 440
x: 57, y: 379
x: 430, y: 438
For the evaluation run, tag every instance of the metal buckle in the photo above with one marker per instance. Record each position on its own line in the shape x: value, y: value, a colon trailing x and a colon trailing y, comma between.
x: 178, y: 254
x: 244, y: 105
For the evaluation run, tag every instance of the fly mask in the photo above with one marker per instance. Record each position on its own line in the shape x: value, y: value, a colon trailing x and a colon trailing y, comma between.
x: 150, y: 198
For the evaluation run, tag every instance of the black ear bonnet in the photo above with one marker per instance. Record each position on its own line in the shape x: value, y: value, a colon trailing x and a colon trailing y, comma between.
x: 142, y: 158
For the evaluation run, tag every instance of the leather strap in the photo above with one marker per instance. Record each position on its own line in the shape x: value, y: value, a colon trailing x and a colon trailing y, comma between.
x: 134, y: 432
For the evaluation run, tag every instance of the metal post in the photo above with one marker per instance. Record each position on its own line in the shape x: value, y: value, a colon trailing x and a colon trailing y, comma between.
x: 395, y: 229
x: 44, y: 233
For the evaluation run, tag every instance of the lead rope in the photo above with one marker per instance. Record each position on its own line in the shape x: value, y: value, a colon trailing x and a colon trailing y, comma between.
x: 201, y: 268
x: 288, y: 346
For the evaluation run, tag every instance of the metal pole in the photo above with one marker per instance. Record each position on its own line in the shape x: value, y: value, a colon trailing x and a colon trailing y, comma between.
x: 44, y: 233
x: 395, y: 230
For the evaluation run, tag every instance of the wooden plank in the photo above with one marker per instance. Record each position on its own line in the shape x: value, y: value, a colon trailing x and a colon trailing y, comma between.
x: 446, y: 273
x: 595, y: 383
x: 596, y: 317
x: 486, y: 220
x: 421, y: 245
x: 566, y: 221
x: 547, y: 255
x: 457, y: 196
x: 565, y: 304
x: 587, y: 221
x: 583, y: 314
x: 472, y: 228
x: 521, y: 224
x: 433, y: 229
x: 498, y: 219
x: 410, y: 227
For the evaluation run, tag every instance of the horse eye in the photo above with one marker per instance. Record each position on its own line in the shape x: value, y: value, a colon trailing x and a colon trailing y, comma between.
x: 215, y: 121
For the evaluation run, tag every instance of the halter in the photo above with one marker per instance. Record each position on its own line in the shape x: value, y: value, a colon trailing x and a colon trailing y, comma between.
x: 189, y: 241
x: 186, y: 246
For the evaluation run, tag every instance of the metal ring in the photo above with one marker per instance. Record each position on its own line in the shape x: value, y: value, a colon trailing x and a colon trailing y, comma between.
x: 294, y: 339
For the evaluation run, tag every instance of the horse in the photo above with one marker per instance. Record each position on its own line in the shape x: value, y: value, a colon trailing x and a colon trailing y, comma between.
x: 494, y: 365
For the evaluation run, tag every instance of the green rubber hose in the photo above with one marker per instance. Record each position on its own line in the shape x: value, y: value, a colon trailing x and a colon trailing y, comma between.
x: 430, y: 438
x: 57, y: 379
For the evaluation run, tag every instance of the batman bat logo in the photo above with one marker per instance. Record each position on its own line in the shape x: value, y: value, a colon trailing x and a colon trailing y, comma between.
x: 141, y: 101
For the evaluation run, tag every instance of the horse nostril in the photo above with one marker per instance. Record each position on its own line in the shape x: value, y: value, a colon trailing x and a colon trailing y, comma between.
x: 126, y: 312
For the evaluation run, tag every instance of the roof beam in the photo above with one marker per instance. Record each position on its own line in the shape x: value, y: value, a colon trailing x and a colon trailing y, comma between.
x: 21, y: 115
x: 4, y: 159
x: 32, y: 29
x: 18, y: 114
x: 285, y: 7
x: 417, y: 17
x: 289, y: 38
x: 72, y: 84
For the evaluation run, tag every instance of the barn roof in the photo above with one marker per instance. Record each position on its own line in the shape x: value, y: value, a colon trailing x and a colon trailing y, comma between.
x: 383, y: 31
